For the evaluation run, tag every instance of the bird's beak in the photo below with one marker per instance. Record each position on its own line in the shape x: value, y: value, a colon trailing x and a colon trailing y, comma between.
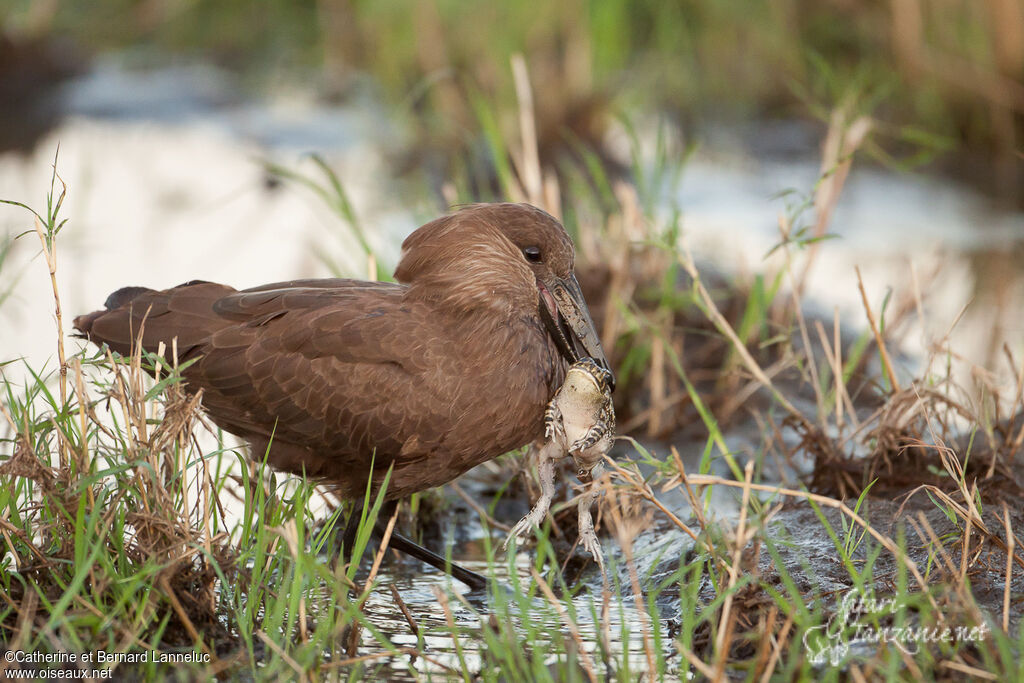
x: 568, y: 320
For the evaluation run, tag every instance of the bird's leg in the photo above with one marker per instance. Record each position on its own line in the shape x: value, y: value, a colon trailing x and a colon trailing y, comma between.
x: 348, y: 535
x: 546, y: 470
x: 476, y: 582
x: 585, y: 523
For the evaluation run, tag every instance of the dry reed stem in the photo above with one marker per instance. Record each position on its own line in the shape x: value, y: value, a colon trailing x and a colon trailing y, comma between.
x: 530, y: 168
x: 842, y: 140
x: 644, y: 490
x: 739, y: 398
x: 777, y: 646
x: 912, y: 668
x: 23, y: 629
x: 711, y: 480
x: 644, y: 416
x: 585, y: 658
x: 302, y: 675
x: 725, y: 625
x: 1001, y: 88
x: 656, y: 379
x: 969, y: 670
x: 625, y: 540
x: 478, y: 509
x: 354, y: 633
x: 696, y: 662
x: 965, y: 552
x: 967, y: 516
x: 833, y: 354
x: 449, y: 619
x: 695, y: 505
x: 413, y: 626
x: 928, y: 537
x: 795, y: 292
x: 1010, y: 542
x: 606, y: 625
x: 50, y: 254
x: 720, y: 322
x: 183, y: 616
x: 959, y: 585
x: 766, y: 625
x: 887, y: 361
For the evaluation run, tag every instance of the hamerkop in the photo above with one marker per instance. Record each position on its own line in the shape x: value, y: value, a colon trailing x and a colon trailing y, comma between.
x: 450, y: 367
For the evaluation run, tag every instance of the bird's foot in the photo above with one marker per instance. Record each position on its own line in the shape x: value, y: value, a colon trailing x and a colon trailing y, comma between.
x: 532, y: 519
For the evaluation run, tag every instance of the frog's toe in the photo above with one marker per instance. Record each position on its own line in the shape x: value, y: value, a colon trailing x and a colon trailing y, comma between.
x: 588, y: 539
x: 517, y: 533
x: 582, y: 444
x: 524, y: 526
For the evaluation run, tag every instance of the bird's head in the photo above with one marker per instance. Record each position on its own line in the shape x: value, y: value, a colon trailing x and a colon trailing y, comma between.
x: 507, y: 258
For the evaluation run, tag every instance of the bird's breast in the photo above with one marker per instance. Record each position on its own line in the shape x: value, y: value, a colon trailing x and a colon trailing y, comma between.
x: 491, y: 390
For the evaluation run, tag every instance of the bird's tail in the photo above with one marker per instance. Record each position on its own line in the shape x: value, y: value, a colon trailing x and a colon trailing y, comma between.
x: 121, y: 297
x: 181, y: 317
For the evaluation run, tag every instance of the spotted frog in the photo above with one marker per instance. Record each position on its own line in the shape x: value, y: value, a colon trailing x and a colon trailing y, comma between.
x: 579, y: 420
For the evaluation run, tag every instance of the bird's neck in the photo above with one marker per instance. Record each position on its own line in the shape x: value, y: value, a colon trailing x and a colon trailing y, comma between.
x: 516, y: 350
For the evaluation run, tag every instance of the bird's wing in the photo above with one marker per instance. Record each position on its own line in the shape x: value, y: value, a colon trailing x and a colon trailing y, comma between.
x: 340, y: 372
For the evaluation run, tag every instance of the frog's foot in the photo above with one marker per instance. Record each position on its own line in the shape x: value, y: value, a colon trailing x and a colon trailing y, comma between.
x: 553, y: 427
x: 590, y: 543
x: 593, y: 435
x: 532, y: 519
x: 588, y: 538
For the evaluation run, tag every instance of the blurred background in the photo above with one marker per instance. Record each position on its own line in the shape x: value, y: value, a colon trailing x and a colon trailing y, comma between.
x: 185, y: 131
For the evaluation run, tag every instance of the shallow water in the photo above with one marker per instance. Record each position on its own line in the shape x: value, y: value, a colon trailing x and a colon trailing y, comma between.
x: 417, y: 589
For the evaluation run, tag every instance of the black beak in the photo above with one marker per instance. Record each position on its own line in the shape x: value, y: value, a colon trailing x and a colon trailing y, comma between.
x: 570, y: 324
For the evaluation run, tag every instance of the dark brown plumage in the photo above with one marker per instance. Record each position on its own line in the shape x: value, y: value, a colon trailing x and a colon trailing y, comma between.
x: 449, y: 368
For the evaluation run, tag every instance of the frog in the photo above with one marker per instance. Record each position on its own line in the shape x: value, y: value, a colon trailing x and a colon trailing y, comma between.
x: 578, y: 421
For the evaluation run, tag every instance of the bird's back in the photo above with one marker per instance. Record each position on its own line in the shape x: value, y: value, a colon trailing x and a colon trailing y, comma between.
x: 332, y: 375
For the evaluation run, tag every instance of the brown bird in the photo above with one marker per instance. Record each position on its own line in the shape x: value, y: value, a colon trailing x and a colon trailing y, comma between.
x: 451, y: 367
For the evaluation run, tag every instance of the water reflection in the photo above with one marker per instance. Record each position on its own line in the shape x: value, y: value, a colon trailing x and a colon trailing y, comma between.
x: 624, y: 626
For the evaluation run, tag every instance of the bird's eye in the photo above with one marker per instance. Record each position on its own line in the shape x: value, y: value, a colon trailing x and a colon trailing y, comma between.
x: 532, y: 254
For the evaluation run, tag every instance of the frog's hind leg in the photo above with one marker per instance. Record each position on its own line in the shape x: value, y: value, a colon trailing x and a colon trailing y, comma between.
x: 593, y: 435
x: 585, y: 523
x: 603, y: 429
x: 546, y: 470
